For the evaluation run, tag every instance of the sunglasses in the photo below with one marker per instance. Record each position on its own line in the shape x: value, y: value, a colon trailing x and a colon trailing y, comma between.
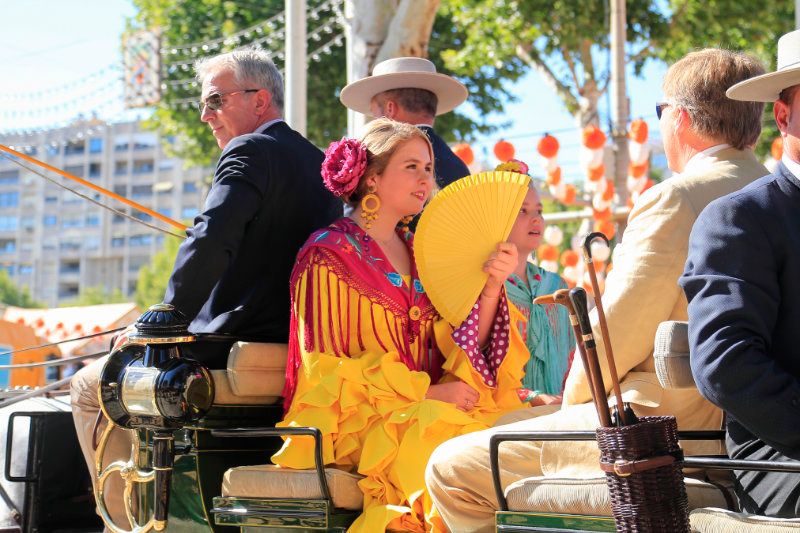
x: 660, y: 108
x: 214, y: 101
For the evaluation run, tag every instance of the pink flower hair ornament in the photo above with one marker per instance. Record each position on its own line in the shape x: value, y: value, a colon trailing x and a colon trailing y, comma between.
x: 344, y: 164
x: 513, y: 165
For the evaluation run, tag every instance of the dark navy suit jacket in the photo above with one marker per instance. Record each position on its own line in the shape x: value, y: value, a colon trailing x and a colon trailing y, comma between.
x: 447, y: 166
x: 742, y: 280
x: 232, y: 273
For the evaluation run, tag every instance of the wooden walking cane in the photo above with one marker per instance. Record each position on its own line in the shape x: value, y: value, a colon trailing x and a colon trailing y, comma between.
x: 577, y: 296
x: 561, y: 296
x: 623, y: 416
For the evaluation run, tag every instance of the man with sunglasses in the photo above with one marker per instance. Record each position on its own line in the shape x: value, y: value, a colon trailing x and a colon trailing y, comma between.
x: 708, y: 142
x: 231, y: 274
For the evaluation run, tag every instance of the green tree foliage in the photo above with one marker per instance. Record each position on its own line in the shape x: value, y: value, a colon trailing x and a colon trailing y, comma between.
x: 11, y: 294
x: 152, y: 282
x: 183, y: 22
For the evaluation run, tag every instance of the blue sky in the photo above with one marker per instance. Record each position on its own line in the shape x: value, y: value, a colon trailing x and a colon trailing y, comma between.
x: 53, y: 45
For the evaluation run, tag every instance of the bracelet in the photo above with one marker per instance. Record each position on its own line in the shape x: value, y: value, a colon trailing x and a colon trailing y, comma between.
x: 490, y: 297
x: 531, y: 395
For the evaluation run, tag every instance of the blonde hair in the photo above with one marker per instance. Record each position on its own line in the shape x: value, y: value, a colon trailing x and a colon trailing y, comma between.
x: 698, y: 82
x: 382, y: 139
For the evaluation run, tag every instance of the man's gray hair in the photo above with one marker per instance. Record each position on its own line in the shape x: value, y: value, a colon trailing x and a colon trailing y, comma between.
x: 252, y: 68
x: 698, y: 83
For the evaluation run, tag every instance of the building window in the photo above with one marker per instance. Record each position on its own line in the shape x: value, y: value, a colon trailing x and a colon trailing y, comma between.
x: 28, y: 222
x: 9, y: 177
x: 8, y: 246
x: 117, y: 219
x: 50, y: 220
x: 8, y: 223
x: 95, y: 170
x: 53, y: 149
x: 74, y: 148
x: 69, y: 246
x: 95, y: 146
x: 25, y: 269
x: 189, y: 187
x: 143, y: 216
x: 120, y: 168
x: 117, y: 242
x: 140, y: 240
x: 50, y: 199
x: 189, y: 212
x: 139, y: 191
x: 75, y: 170
x: 9, y: 199
x: 72, y: 223
x: 143, y: 166
x: 166, y: 211
x: 121, y: 146
x: 70, y: 267
x: 166, y: 164
x: 92, y: 220
x: 92, y: 242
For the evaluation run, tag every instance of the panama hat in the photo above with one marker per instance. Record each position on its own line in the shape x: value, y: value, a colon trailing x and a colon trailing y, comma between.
x: 404, y: 73
x: 768, y: 87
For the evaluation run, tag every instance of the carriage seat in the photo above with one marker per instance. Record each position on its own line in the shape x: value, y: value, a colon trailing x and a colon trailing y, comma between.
x: 254, y: 375
x: 271, y: 481
x: 722, y: 521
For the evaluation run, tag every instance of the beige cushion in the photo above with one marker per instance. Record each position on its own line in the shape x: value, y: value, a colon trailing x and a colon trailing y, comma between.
x: 671, y: 354
x: 722, y: 521
x: 590, y: 496
x: 257, y: 369
x: 270, y: 481
x: 223, y: 395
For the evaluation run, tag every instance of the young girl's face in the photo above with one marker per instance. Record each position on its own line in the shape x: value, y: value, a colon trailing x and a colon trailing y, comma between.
x: 529, y: 226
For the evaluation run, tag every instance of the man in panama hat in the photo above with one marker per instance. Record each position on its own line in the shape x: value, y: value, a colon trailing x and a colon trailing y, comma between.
x: 408, y: 89
x: 742, y: 283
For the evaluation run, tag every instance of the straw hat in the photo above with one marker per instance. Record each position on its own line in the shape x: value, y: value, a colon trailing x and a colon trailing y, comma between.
x: 768, y: 87
x: 404, y: 73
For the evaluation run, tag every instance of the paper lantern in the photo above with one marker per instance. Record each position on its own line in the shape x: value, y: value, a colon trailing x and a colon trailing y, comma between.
x: 569, y: 195
x: 588, y: 158
x: 21, y: 321
x: 553, y: 235
x: 639, y: 153
x: 605, y: 214
x: 571, y: 275
x: 569, y: 258
x: 548, y: 146
x: 599, y: 203
x: 553, y: 176
x: 550, y: 266
x: 593, y: 137
x: 608, y: 193
x: 597, y: 173
x: 464, y: 153
x: 547, y: 252
x: 637, y: 171
x: 600, y: 250
x: 776, y: 150
x: 504, y: 151
x: 638, y: 133
x: 606, y: 227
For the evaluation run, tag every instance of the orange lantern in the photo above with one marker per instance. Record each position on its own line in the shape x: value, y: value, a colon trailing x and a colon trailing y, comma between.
x: 554, y: 176
x: 464, y: 153
x: 596, y: 173
x: 593, y: 137
x: 569, y: 258
x: 504, y: 151
x: 605, y: 214
x: 97, y: 329
x: 21, y: 321
x: 548, y: 146
x: 638, y: 133
x: 606, y: 227
x: 776, y: 150
x: 608, y: 194
x: 569, y: 195
x: 637, y: 171
x: 547, y: 252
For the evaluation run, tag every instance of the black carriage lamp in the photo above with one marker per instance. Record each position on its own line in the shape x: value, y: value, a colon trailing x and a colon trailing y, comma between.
x: 148, y: 384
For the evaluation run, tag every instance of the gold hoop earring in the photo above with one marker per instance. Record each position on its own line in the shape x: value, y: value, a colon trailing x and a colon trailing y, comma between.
x: 370, y: 212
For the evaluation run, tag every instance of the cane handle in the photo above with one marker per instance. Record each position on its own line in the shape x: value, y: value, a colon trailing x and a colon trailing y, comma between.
x: 587, y: 244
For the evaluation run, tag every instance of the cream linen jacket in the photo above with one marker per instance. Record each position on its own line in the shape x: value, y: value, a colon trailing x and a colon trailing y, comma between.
x: 641, y: 292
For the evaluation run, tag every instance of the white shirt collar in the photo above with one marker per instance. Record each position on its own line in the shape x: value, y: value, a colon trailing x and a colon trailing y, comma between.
x: 262, y: 128
x: 793, y: 166
x: 700, y: 159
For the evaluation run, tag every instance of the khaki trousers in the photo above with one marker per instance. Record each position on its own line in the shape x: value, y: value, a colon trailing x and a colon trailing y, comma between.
x: 85, y: 406
x: 458, y: 475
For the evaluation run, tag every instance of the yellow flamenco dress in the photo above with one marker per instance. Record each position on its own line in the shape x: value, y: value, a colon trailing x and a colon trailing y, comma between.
x: 365, y: 346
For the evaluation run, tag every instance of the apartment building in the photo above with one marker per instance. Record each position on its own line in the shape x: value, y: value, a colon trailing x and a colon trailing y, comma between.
x: 57, y: 243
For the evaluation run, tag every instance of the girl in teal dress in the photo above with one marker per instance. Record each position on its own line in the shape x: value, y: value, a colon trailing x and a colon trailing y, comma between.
x: 547, y: 330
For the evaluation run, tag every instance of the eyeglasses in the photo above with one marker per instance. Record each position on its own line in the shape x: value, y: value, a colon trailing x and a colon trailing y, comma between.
x: 660, y: 108
x: 214, y: 101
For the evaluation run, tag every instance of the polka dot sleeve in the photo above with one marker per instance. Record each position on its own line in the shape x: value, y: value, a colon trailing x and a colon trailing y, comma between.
x: 487, y: 361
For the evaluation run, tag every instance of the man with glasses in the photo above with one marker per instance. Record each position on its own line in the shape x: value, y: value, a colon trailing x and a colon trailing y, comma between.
x: 231, y: 274
x: 708, y: 142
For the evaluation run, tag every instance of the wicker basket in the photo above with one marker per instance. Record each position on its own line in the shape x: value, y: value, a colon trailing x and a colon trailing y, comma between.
x: 643, y: 464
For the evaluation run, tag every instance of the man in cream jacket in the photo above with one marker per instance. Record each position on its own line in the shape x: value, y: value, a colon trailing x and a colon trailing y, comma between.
x: 708, y: 142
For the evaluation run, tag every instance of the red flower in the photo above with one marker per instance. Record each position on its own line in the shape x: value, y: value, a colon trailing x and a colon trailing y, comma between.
x: 345, y: 163
x: 537, y: 277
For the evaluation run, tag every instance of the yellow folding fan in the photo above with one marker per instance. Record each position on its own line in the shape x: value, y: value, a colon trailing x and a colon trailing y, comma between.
x: 456, y: 233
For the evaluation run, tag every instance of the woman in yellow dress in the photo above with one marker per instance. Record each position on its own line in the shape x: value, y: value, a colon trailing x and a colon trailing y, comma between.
x: 371, y: 363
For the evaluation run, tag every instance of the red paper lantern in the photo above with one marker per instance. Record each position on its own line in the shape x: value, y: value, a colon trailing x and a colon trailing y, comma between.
x: 569, y: 195
x: 554, y: 176
x: 637, y: 171
x: 464, y: 153
x: 593, y: 137
x: 776, y: 150
x: 548, y: 146
x: 504, y: 151
x: 596, y: 173
x: 638, y: 133
x: 602, y: 215
x: 569, y: 258
x: 606, y: 227
x: 608, y: 194
x: 547, y: 252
